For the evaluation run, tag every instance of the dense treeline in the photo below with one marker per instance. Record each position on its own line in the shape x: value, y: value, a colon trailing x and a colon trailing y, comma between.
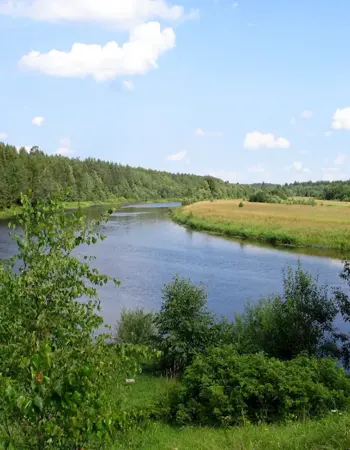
x: 323, y: 190
x: 96, y: 180
x: 93, y: 180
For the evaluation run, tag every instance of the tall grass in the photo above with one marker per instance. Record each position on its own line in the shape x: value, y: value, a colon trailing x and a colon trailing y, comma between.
x: 276, y: 224
x: 333, y: 432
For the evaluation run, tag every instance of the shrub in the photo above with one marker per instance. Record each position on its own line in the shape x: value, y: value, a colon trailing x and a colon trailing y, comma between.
x: 54, y: 369
x: 225, y: 388
x: 136, y: 327
x: 241, y: 204
x: 183, y: 325
x: 300, y: 320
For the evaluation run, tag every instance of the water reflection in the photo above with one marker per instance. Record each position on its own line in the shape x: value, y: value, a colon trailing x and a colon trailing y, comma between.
x: 145, y: 249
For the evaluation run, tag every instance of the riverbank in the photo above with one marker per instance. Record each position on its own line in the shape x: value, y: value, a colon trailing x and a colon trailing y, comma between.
x: 331, y: 432
x: 325, y: 226
x: 114, y: 203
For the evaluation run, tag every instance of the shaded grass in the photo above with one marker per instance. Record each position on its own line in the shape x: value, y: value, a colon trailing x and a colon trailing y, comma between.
x: 332, y: 432
x: 275, y: 224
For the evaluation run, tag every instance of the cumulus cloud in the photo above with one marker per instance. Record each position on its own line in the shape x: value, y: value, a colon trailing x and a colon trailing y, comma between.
x: 38, y: 121
x: 201, y: 133
x: 226, y: 175
x: 297, y: 165
x: 258, y: 168
x: 341, y: 119
x: 146, y: 44
x: 256, y: 139
x: 117, y: 13
x: 3, y: 135
x: 177, y: 156
x: 332, y: 174
x: 64, y: 149
x: 340, y: 159
x: 306, y: 114
x: 128, y: 85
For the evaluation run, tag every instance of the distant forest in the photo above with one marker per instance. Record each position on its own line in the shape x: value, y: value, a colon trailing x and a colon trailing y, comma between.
x: 96, y: 180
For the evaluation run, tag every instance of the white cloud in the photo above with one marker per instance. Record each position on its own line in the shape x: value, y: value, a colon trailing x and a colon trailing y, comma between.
x: 177, y: 156
x: 226, y: 175
x: 340, y: 159
x: 256, y: 139
x: 258, y: 168
x: 135, y: 57
x: 117, y: 13
x: 293, y: 121
x: 297, y: 165
x: 201, y: 133
x: 64, y: 149
x: 341, y: 119
x: 332, y: 174
x: 328, y: 133
x: 306, y: 114
x: 3, y: 135
x: 38, y: 121
x: 128, y: 85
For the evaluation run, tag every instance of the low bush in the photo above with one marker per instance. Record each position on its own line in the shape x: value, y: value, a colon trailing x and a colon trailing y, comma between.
x: 183, y: 325
x: 299, y: 320
x: 241, y: 204
x: 136, y: 327
x: 225, y: 388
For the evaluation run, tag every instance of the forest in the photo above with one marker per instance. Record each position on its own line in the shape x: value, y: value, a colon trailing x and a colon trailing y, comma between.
x: 96, y: 180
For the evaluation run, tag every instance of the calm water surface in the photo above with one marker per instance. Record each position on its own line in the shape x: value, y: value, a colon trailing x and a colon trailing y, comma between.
x: 145, y: 249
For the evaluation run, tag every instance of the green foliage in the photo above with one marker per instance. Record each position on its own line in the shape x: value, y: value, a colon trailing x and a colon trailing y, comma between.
x: 96, y: 180
x: 300, y: 320
x: 54, y: 369
x: 136, y: 327
x: 331, y: 433
x: 264, y: 196
x: 183, y: 325
x: 225, y: 388
x: 241, y: 204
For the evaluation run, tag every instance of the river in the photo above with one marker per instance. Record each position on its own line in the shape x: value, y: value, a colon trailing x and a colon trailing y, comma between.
x: 144, y: 249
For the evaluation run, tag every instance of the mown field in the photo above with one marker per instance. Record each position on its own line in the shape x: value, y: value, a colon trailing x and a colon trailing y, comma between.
x: 332, y: 432
x: 325, y: 226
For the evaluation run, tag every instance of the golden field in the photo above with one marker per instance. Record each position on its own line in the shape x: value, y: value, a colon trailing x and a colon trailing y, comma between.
x: 326, y: 225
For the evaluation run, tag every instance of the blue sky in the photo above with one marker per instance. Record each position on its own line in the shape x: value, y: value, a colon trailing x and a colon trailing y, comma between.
x: 245, y: 90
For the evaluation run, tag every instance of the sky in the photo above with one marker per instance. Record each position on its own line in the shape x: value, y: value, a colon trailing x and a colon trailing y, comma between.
x: 248, y: 90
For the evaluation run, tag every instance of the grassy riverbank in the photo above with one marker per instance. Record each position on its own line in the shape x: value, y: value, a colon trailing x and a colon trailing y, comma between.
x: 325, y: 226
x: 332, y: 432
x: 9, y: 213
x: 113, y: 203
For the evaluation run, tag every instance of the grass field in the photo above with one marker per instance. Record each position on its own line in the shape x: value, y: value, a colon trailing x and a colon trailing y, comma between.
x: 325, y: 226
x: 330, y: 433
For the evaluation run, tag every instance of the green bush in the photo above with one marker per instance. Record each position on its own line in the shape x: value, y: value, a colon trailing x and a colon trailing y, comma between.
x: 241, y: 204
x: 136, y: 327
x: 54, y: 368
x: 183, y: 325
x: 225, y: 388
x: 299, y: 320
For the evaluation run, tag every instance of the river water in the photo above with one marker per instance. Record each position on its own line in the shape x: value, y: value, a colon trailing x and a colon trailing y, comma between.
x: 144, y: 249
